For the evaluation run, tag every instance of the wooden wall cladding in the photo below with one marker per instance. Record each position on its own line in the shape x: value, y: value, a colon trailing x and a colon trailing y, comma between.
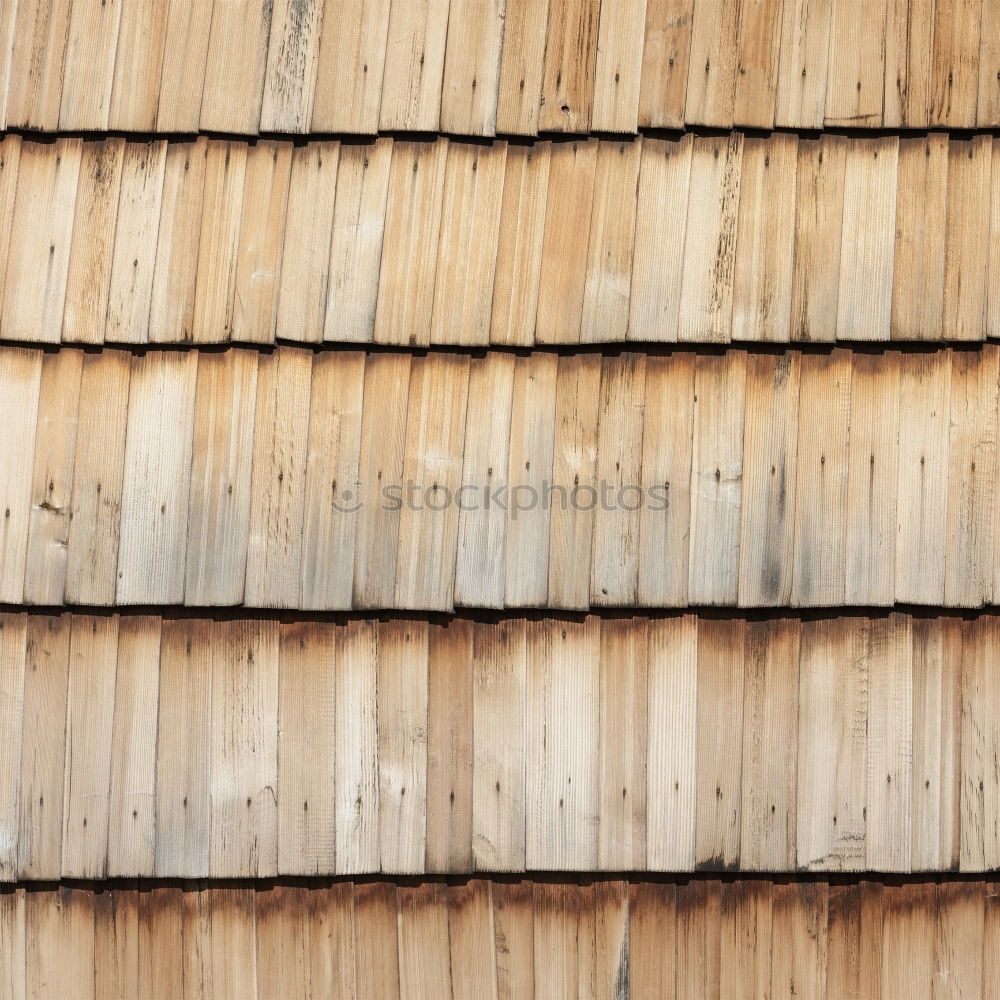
x: 701, y: 940
x: 698, y: 239
x: 507, y: 66
x: 298, y: 480
x: 140, y: 746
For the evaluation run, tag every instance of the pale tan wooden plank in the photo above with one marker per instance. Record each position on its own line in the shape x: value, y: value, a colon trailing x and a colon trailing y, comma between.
x: 919, y: 254
x: 89, y: 65
x: 955, y: 62
x: 292, y: 57
x: 218, y: 514
x: 383, y: 434
x: 472, y: 933
x: 567, y: 93
x: 803, y: 57
x: 890, y: 744
x: 414, y: 66
x: 244, y: 750
x: 712, y: 68
x: 467, y: 249
x: 612, y: 235
x: 306, y: 769
x: 668, y: 423
x: 10, y: 159
x: 970, y: 547
x: 614, y: 574
x: 799, y: 921
x: 183, y: 749
x: 402, y: 745
x: 866, y: 263
x: 908, y: 37
x: 499, y: 658
x: 132, y: 800
x: 116, y: 944
x: 967, y: 250
x: 820, y: 559
x: 92, y: 545
x: 185, y: 56
x: 8, y: 22
x: 156, y: 479
x: 672, y: 733
x: 172, y: 299
x: 449, y: 747
x: 979, y: 848
x: 660, y: 224
x: 770, y: 472
x: 376, y: 936
x: 819, y: 215
x: 854, y: 88
x: 521, y: 66
x: 624, y: 716
x: 37, y: 64
x: 746, y: 939
x: 843, y: 939
x: 532, y: 432
x: 719, y: 747
x: 699, y: 909
x: 196, y: 928
x: 716, y: 479
x: 568, y: 212
x: 218, y: 244
x: 90, y: 703
x: 424, y: 966
x: 277, y: 489
x: 410, y: 243
x: 432, y: 472
x: 350, y: 66
x: 471, y: 78
x: 482, y: 518
x: 872, y: 479
x: 907, y: 942
x: 90, y: 257
x: 757, y: 53
x: 556, y: 939
x: 665, y: 53
x: 830, y: 823
x: 330, y: 514
x: 514, y: 920
x: 41, y: 230
x: 59, y: 938
x: 993, y: 280
x: 52, y: 477
x: 770, y: 719
x: 574, y: 480
x: 937, y: 708
x: 20, y: 376
x: 43, y: 748
x: 652, y: 932
x: 959, y: 928
x: 563, y: 761
x: 331, y: 941
x: 356, y: 243
x: 519, y: 244
x: 922, y: 505
x: 13, y: 657
x: 618, y: 71
x: 988, y: 103
x: 991, y: 930
x: 765, y: 240
x: 231, y: 944
x: 305, y: 260
x: 134, y: 258
x: 706, y: 306
x: 262, y: 234
x: 139, y: 57
x: 356, y: 776
x: 235, y: 66
x: 281, y: 924
x: 605, y: 951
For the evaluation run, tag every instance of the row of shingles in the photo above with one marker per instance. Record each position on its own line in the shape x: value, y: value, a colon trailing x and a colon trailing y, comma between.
x: 457, y: 243
x: 140, y: 747
x: 518, y: 67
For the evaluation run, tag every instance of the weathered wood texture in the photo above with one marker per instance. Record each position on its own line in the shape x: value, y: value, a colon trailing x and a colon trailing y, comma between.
x: 699, y: 239
x: 701, y: 939
x: 498, y: 65
x: 260, y: 747
x: 338, y: 480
